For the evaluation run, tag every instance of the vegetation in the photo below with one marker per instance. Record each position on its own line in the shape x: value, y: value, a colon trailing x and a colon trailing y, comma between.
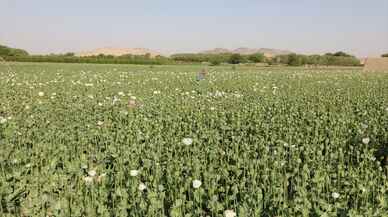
x: 18, y: 55
x: 339, y: 54
x: 100, y: 59
x: 120, y: 140
x: 384, y: 55
x: 199, y: 58
x: 256, y: 58
x: 12, y: 52
x: 215, y: 62
x: 337, y: 59
x: 236, y: 59
x: 330, y: 59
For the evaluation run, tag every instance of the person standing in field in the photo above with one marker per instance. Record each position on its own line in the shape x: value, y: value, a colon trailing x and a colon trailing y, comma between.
x: 201, y: 85
x: 201, y: 75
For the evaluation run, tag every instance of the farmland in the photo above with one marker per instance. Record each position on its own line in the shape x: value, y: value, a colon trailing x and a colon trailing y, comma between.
x: 119, y: 140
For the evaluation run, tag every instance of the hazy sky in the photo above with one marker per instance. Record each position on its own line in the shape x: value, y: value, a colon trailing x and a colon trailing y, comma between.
x: 307, y: 26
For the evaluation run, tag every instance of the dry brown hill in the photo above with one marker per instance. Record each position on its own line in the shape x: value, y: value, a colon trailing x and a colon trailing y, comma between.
x: 246, y: 51
x: 376, y: 64
x: 217, y: 51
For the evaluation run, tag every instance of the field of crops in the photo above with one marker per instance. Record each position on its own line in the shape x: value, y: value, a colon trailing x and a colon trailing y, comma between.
x: 119, y: 140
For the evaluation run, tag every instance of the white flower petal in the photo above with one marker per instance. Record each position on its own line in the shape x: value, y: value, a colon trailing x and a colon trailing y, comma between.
x: 92, y: 173
x: 197, y: 183
x: 88, y: 180
x: 366, y: 140
x: 142, y: 187
x: 133, y: 172
x: 187, y: 141
x: 229, y: 213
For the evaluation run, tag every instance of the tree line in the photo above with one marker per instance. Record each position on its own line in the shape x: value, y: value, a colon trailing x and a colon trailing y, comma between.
x: 99, y: 59
x: 11, y: 52
x: 217, y: 59
x: 19, y: 55
x: 329, y: 59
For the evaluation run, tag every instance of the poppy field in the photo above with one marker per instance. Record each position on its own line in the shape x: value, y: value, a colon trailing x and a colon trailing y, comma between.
x: 119, y: 140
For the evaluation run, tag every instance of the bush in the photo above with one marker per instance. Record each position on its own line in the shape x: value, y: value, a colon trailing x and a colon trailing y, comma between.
x: 7, y: 51
x: 215, y: 62
x: 256, y: 58
x: 295, y: 60
x: 235, y: 59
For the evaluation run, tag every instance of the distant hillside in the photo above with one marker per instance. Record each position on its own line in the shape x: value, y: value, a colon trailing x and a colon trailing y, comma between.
x: 217, y: 51
x: 244, y: 51
x: 118, y: 52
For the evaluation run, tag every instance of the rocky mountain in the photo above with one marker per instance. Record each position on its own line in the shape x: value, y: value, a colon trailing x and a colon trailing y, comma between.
x: 118, y: 52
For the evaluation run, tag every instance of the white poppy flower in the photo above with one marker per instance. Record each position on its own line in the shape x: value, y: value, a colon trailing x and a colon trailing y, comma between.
x: 197, y: 183
x: 187, y: 141
x: 366, y: 140
x: 88, y: 180
x: 124, y: 112
x: 3, y: 120
x: 41, y: 94
x: 134, y: 173
x: 335, y: 195
x: 115, y: 99
x: 132, y: 103
x: 92, y: 173
x: 100, y: 177
x: 142, y: 187
x: 99, y: 123
x: 229, y: 213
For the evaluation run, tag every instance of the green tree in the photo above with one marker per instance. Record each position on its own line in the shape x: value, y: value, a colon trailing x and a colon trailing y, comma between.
x: 235, y: 59
x: 215, y: 62
x: 341, y: 54
x: 7, y: 51
x: 294, y: 60
x: 256, y: 58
